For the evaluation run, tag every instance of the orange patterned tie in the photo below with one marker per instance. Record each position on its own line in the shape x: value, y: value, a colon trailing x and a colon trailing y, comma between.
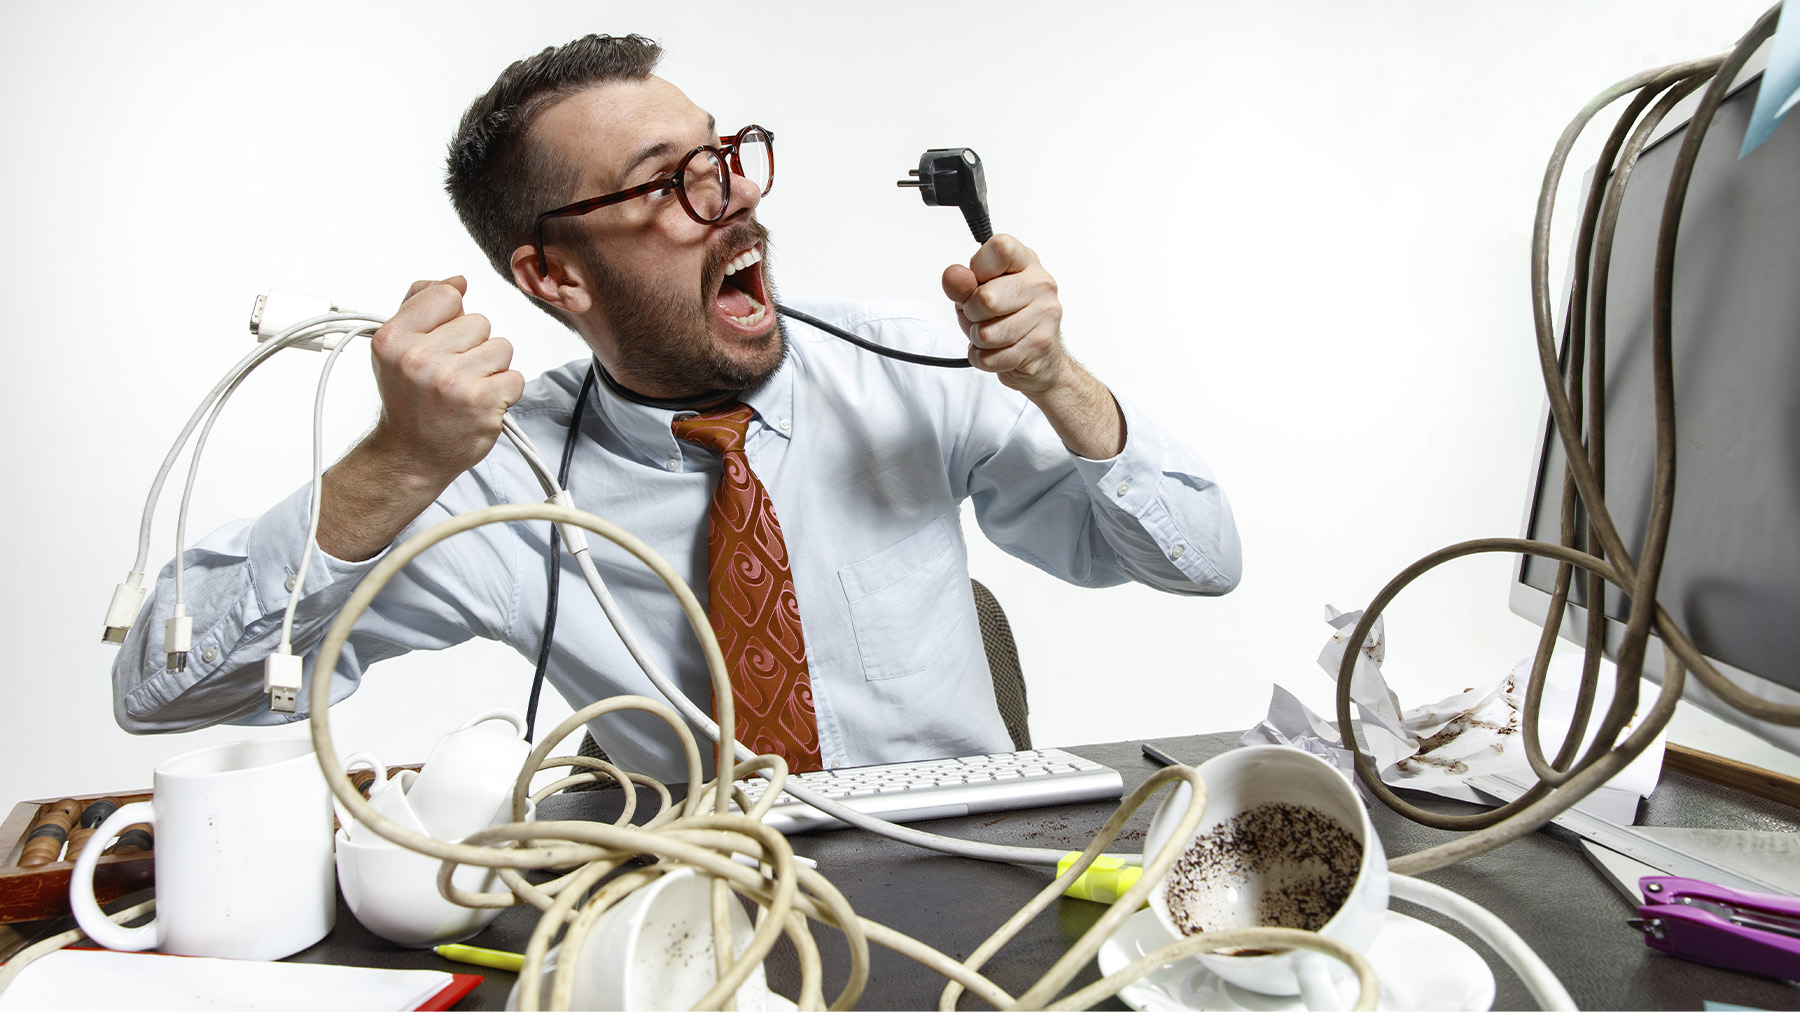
x: 751, y: 602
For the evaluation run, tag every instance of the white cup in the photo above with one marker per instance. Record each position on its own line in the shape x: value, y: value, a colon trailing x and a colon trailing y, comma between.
x: 393, y: 892
x: 1224, y: 888
x: 654, y: 951
x: 469, y: 776
x: 242, y: 858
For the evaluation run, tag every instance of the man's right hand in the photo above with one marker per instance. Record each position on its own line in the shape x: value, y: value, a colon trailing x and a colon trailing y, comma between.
x: 445, y: 383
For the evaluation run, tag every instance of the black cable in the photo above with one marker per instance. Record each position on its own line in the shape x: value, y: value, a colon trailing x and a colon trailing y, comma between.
x: 867, y: 345
x: 555, y: 565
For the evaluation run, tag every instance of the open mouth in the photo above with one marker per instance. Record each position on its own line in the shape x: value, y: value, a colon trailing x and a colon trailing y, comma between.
x: 742, y: 298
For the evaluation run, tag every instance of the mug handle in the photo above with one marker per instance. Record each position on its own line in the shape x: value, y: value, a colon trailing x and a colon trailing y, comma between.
x: 93, y: 921
x: 511, y: 717
x: 351, y: 762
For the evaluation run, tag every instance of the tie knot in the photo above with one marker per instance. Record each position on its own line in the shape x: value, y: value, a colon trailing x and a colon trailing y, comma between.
x: 721, y: 429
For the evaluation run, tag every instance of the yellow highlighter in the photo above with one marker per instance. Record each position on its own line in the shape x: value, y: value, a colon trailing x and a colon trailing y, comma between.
x: 498, y: 959
x: 1105, y: 881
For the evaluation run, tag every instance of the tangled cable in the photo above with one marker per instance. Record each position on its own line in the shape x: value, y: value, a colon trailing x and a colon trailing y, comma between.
x: 1566, y: 779
x: 702, y: 834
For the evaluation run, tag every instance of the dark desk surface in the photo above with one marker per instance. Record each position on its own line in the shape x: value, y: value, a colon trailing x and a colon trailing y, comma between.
x: 1541, y: 885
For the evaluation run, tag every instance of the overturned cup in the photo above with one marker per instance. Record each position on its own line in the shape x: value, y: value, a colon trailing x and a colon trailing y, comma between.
x: 393, y: 892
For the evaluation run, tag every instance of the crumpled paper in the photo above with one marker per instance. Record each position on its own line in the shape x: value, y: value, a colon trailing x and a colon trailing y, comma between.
x: 1435, y: 747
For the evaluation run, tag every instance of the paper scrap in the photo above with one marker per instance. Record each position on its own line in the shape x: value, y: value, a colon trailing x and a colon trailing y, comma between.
x: 1779, y: 89
x: 1435, y: 747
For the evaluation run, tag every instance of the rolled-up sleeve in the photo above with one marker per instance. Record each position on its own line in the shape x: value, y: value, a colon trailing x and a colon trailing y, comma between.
x: 1153, y: 514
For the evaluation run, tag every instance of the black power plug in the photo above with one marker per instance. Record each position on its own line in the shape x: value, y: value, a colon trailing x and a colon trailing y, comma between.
x: 952, y: 177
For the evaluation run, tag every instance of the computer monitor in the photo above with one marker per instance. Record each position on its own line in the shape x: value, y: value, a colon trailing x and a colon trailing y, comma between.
x: 1731, y: 578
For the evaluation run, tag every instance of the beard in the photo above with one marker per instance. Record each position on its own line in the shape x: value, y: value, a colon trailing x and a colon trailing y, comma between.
x: 664, y: 341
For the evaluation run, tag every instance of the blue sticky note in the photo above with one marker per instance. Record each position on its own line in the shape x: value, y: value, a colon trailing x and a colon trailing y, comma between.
x: 1780, y: 88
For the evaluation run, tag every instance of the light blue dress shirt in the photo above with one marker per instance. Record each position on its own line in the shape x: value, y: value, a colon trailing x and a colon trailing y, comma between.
x: 867, y: 461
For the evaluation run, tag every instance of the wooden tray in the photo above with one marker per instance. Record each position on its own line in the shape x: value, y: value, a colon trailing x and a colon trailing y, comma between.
x: 43, y: 891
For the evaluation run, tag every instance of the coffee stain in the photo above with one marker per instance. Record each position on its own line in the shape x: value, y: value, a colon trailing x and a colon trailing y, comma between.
x: 1302, y: 862
x: 1457, y: 726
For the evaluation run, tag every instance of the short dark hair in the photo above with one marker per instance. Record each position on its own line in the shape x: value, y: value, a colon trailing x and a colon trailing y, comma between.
x: 498, y: 181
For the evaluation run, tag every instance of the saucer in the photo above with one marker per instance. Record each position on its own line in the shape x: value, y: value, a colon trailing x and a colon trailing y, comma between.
x: 1420, y: 967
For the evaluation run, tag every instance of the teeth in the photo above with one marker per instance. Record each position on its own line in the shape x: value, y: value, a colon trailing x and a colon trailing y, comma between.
x: 757, y: 312
x: 743, y: 260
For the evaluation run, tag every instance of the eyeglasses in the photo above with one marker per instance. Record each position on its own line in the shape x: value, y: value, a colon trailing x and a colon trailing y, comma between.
x: 702, y: 182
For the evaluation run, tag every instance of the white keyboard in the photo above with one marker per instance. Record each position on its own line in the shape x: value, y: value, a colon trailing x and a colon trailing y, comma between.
x: 936, y: 789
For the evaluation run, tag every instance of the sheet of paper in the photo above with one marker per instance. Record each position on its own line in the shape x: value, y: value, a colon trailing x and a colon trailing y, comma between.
x: 108, y: 980
x: 1434, y: 747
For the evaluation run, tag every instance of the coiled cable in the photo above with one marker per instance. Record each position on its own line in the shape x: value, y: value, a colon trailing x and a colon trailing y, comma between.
x: 1564, y: 780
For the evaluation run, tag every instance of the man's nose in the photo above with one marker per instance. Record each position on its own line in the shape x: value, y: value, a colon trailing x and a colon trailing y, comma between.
x: 745, y: 196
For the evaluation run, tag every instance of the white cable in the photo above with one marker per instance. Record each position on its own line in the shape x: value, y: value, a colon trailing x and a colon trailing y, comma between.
x: 129, y: 595
x: 293, y: 335
x: 1531, y: 969
x: 318, y: 482
x: 187, y: 489
x: 179, y: 624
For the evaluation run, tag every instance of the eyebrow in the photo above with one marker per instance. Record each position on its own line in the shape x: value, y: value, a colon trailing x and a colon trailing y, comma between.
x: 658, y: 150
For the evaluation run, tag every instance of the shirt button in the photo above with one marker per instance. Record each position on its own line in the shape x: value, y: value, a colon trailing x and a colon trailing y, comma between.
x: 209, y: 655
x: 1124, y: 487
x: 787, y: 424
x: 671, y: 464
x: 292, y: 580
x: 1176, y: 552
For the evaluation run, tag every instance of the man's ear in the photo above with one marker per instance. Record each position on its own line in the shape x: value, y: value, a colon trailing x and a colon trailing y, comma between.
x: 563, y: 284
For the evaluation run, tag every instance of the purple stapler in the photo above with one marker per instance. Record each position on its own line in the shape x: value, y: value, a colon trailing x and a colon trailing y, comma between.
x: 1758, y: 933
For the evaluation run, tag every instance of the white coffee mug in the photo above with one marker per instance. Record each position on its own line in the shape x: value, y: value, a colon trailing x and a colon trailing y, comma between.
x: 1255, y: 779
x: 242, y: 855
x: 470, y: 774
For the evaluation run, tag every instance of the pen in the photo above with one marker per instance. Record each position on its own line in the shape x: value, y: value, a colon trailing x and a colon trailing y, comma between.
x: 480, y: 956
x: 1160, y: 757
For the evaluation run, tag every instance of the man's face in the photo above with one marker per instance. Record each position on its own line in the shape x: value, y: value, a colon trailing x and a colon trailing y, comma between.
x: 668, y: 319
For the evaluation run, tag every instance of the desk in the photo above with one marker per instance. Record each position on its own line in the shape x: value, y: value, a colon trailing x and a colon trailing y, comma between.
x: 1541, y: 886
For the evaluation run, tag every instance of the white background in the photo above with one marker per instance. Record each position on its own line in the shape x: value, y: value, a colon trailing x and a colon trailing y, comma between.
x: 1296, y: 231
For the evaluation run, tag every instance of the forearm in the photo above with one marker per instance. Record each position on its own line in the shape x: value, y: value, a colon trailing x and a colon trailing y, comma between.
x: 368, y: 498
x: 1084, y: 414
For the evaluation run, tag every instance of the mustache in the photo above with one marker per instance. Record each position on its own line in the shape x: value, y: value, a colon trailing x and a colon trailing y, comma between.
x: 732, y: 241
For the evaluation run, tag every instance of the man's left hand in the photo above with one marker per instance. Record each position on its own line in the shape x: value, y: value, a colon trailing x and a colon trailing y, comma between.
x: 1007, y: 305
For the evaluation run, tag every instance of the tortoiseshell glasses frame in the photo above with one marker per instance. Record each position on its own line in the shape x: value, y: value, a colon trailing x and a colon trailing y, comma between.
x: 704, y: 188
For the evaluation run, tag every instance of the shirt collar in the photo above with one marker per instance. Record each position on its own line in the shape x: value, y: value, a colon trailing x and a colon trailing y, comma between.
x: 647, y: 430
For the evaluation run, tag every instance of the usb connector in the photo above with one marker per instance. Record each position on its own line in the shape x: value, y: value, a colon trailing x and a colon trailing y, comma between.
x: 281, y: 681
x: 127, y: 598
x: 178, y: 636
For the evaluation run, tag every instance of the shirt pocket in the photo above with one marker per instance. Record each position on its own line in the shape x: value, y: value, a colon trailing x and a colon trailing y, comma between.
x: 907, y: 601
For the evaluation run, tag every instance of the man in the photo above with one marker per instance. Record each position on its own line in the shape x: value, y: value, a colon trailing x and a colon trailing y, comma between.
x: 608, y: 197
